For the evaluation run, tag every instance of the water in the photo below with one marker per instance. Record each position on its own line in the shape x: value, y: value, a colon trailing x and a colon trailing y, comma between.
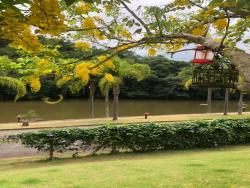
x: 73, y: 109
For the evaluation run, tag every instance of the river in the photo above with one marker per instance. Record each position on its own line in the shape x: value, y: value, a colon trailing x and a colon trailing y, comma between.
x: 74, y: 109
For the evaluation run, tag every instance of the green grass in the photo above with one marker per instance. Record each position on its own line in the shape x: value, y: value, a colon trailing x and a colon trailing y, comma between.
x: 223, y: 168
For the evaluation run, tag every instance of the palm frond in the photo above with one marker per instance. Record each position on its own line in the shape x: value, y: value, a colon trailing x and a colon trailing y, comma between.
x: 187, y: 84
x: 127, y: 70
x: 15, y: 84
x: 104, y: 85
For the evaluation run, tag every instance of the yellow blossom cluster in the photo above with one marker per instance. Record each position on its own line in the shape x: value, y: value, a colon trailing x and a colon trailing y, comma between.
x: 182, y: 2
x: 63, y: 80
x: 34, y: 83
x: 19, y: 33
x: 44, y: 66
x: 99, y: 35
x: 108, y: 63
x: 85, y: 69
x: 47, y: 16
x: 108, y: 7
x: 152, y: 52
x: 172, y: 18
x: 84, y: 46
x: 175, y: 45
x: 83, y: 8
x: 88, y: 23
x: 82, y: 71
x: 123, y: 32
x: 220, y: 24
x: 199, y: 30
x: 210, y: 10
x: 109, y: 78
x: 95, y: 71
x: 43, y: 63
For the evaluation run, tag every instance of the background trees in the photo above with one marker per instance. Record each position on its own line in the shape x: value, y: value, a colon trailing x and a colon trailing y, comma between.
x: 115, y: 26
x: 166, y: 80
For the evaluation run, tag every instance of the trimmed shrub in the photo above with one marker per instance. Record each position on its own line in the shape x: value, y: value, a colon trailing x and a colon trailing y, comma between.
x: 141, y: 137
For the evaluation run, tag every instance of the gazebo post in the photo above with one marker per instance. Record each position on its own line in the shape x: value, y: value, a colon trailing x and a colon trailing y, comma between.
x: 240, y: 104
x: 209, y: 99
x: 226, y: 101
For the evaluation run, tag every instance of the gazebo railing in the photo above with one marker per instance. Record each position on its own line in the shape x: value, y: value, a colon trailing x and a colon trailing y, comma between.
x: 215, y: 78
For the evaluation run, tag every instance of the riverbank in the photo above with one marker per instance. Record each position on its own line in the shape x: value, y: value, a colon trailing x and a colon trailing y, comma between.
x: 122, y: 120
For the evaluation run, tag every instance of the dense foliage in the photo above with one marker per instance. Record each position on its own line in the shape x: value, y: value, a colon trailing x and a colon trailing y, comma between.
x: 166, y: 80
x: 141, y: 137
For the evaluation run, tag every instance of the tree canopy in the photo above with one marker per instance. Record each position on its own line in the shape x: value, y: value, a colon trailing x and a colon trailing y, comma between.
x: 115, y: 26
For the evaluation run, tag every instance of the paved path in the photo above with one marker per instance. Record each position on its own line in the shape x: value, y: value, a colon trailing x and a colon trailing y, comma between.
x: 102, y: 121
x: 14, y: 150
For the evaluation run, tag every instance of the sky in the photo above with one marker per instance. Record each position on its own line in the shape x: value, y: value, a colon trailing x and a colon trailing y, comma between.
x: 182, y: 56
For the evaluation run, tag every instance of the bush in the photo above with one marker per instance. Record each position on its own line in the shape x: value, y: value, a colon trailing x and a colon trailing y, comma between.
x: 141, y: 137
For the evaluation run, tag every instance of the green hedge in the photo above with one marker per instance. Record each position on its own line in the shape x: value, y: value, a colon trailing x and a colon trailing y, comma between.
x: 141, y: 137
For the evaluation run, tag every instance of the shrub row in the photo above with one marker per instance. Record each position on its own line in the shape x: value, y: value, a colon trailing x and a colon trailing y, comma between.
x: 141, y: 137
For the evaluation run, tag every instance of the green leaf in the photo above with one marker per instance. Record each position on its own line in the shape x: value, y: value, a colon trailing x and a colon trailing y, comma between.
x: 138, y: 31
x: 130, y: 23
x: 70, y: 2
x: 89, y: 1
x: 246, y: 41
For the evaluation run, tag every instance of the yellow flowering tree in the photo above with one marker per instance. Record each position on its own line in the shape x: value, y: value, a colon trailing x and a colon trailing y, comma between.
x: 116, y: 26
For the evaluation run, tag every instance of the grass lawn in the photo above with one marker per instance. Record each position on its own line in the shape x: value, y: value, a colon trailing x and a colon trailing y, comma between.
x: 226, y: 167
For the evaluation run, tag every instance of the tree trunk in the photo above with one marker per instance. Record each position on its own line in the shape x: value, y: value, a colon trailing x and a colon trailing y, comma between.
x: 209, y: 99
x: 116, y: 91
x: 240, y: 104
x: 51, y: 151
x: 107, y: 103
x: 226, y: 101
x: 91, y: 98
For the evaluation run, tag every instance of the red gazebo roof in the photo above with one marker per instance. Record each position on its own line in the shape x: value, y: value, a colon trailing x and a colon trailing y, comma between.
x: 202, y: 61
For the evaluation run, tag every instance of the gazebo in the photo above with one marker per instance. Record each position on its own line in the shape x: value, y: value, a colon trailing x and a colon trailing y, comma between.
x: 212, y: 71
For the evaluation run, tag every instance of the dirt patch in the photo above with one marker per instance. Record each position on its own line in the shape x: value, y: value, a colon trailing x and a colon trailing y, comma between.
x: 13, y: 150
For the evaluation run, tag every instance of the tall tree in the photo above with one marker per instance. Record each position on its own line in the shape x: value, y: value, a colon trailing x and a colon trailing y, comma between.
x: 114, y: 78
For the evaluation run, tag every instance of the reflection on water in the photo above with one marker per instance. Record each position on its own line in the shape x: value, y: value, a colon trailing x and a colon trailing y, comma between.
x: 70, y: 109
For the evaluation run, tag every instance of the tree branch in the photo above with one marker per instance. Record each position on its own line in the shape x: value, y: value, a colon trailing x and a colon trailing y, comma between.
x: 195, y: 4
x: 226, y: 32
x: 136, y: 17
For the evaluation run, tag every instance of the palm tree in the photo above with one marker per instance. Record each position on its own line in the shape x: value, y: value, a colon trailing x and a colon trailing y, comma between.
x: 240, y: 103
x: 123, y: 69
x: 92, y: 90
x: 105, y: 86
